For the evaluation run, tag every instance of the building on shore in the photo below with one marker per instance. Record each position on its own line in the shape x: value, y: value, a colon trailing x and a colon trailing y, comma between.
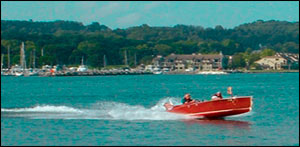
x: 191, y: 62
x: 292, y: 60
x: 279, y: 61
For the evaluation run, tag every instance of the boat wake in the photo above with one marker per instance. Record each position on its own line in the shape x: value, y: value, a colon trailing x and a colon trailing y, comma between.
x: 101, y: 110
x: 242, y: 115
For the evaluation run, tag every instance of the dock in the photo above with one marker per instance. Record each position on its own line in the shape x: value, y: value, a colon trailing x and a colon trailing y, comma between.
x: 94, y: 73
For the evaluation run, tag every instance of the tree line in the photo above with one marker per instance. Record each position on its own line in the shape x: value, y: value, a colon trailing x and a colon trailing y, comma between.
x: 66, y: 42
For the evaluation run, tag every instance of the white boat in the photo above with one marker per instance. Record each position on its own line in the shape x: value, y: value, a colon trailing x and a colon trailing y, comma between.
x: 165, y: 70
x: 33, y: 73
x: 157, y: 71
x: 82, y: 67
x: 212, y: 72
x: 189, y: 69
x: 17, y: 74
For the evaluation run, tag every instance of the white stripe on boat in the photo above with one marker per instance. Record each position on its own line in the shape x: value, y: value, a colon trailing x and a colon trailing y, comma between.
x: 202, y: 113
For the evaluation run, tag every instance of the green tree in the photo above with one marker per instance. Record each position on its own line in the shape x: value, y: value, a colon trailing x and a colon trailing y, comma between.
x: 238, y: 61
x: 267, y: 52
x: 162, y: 49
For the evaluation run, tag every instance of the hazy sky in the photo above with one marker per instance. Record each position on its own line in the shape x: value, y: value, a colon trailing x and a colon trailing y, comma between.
x: 117, y: 14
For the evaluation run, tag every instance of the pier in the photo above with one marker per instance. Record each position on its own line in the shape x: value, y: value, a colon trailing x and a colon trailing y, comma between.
x: 93, y: 73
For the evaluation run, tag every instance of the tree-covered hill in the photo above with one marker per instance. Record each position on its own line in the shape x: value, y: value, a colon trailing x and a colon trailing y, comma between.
x: 65, y: 42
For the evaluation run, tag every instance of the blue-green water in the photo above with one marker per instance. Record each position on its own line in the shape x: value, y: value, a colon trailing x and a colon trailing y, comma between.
x: 127, y: 110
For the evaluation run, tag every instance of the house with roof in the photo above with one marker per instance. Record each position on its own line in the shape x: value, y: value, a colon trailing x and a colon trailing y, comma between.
x: 279, y: 61
x: 190, y: 62
x: 292, y: 60
x: 272, y: 62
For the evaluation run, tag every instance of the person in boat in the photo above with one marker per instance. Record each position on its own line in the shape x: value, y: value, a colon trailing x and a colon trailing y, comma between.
x: 187, y: 99
x: 217, y: 96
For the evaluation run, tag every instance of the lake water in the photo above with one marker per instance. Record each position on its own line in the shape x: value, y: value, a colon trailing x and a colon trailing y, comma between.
x: 127, y: 110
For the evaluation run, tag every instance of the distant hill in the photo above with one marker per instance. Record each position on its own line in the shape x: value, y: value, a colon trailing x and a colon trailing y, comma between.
x: 67, y: 41
x: 31, y: 27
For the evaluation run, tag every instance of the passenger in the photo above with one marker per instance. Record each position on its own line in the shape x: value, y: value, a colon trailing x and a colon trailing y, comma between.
x: 217, y: 96
x: 187, y: 99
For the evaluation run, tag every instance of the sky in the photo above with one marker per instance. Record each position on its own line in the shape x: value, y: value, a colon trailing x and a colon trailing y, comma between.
x: 124, y: 14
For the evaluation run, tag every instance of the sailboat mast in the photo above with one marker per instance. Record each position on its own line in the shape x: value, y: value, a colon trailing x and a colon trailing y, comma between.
x: 126, y: 63
x: 2, y: 61
x: 24, y: 57
x: 21, y: 55
x: 42, y: 52
x: 33, y: 62
x: 8, y: 57
x: 30, y: 59
x: 104, y: 61
x: 135, y: 59
x: 23, y: 61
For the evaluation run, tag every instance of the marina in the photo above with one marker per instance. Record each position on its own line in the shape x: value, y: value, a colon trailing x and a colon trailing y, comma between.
x: 17, y: 71
x: 209, y: 64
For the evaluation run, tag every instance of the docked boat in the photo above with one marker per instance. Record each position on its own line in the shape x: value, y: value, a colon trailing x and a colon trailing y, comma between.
x: 157, y: 71
x: 212, y: 73
x: 213, y: 108
x: 82, y: 67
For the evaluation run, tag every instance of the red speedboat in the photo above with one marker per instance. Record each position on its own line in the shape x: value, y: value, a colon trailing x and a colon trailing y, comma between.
x: 214, y: 108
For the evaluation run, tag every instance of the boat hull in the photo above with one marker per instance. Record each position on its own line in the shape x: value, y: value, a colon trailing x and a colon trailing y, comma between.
x: 214, y: 108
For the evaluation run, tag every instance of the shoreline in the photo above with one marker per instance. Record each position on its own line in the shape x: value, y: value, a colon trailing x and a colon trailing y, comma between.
x: 148, y: 73
x: 237, y: 71
x: 271, y: 71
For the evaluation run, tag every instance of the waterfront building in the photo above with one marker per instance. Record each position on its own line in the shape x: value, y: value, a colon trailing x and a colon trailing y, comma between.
x: 279, y: 61
x: 292, y: 60
x: 191, y: 62
x: 272, y: 62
